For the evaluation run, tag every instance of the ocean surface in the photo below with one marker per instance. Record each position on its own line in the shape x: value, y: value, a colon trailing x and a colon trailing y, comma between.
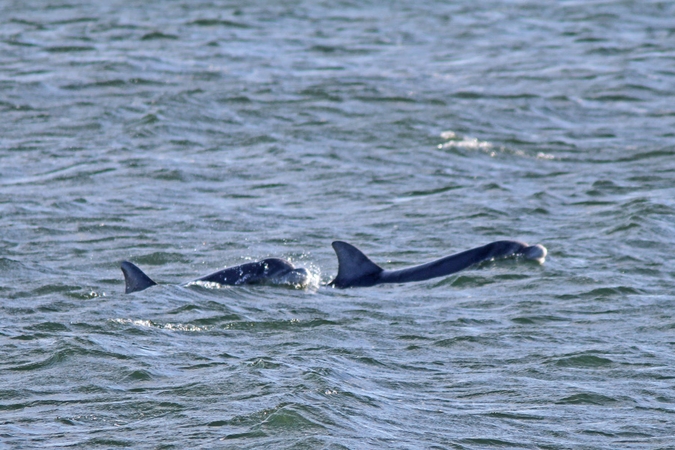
x: 190, y: 136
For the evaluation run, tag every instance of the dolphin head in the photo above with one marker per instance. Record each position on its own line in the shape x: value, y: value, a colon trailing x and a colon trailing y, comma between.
x: 280, y: 271
x: 535, y: 252
x: 298, y: 277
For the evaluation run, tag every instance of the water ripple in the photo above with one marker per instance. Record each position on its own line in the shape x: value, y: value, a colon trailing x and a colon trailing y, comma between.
x: 187, y: 137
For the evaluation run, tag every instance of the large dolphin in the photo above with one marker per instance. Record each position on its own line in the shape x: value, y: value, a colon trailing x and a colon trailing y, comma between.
x: 356, y: 270
x: 268, y: 271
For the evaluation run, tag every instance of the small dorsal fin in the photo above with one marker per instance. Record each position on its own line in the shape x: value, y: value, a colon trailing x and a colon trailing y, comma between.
x: 134, y: 278
x: 354, y: 268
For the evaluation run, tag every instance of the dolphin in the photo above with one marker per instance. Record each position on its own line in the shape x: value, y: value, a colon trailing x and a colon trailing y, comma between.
x: 273, y: 271
x: 356, y: 270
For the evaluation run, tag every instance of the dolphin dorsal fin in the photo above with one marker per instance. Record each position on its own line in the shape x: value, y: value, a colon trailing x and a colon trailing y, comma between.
x: 134, y: 278
x: 354, y: 268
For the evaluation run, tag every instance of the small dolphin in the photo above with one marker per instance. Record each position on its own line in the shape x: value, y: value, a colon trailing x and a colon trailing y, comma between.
x: 356, y: 270
x: 268, y: 271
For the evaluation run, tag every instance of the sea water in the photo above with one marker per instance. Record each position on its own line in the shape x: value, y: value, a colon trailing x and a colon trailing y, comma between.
x: 191, y: 136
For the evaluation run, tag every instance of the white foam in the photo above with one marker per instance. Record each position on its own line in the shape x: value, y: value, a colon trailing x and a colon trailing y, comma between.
x: 468, y: 142
x: 166, y: 326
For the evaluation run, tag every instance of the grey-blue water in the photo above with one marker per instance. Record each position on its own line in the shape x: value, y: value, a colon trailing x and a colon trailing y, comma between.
x: 191, y: 136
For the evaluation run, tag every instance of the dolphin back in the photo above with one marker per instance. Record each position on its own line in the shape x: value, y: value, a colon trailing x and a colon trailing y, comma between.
x: 460, y: 261
x: 354, y: 268
x: 134, y: 278
x: 272, y: 271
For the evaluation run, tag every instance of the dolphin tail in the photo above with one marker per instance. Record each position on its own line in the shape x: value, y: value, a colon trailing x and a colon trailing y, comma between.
x: 354, y: 268
x: 134, y: 278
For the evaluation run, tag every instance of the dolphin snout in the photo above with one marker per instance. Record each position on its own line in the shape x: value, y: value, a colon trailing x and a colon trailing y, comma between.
x: 536, y: 252
x: 298, y: 277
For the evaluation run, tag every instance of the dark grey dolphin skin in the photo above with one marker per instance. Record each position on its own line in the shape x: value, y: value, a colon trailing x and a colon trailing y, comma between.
x: 134, y: 278
x: 356, y: 270
x: 268, y: 271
